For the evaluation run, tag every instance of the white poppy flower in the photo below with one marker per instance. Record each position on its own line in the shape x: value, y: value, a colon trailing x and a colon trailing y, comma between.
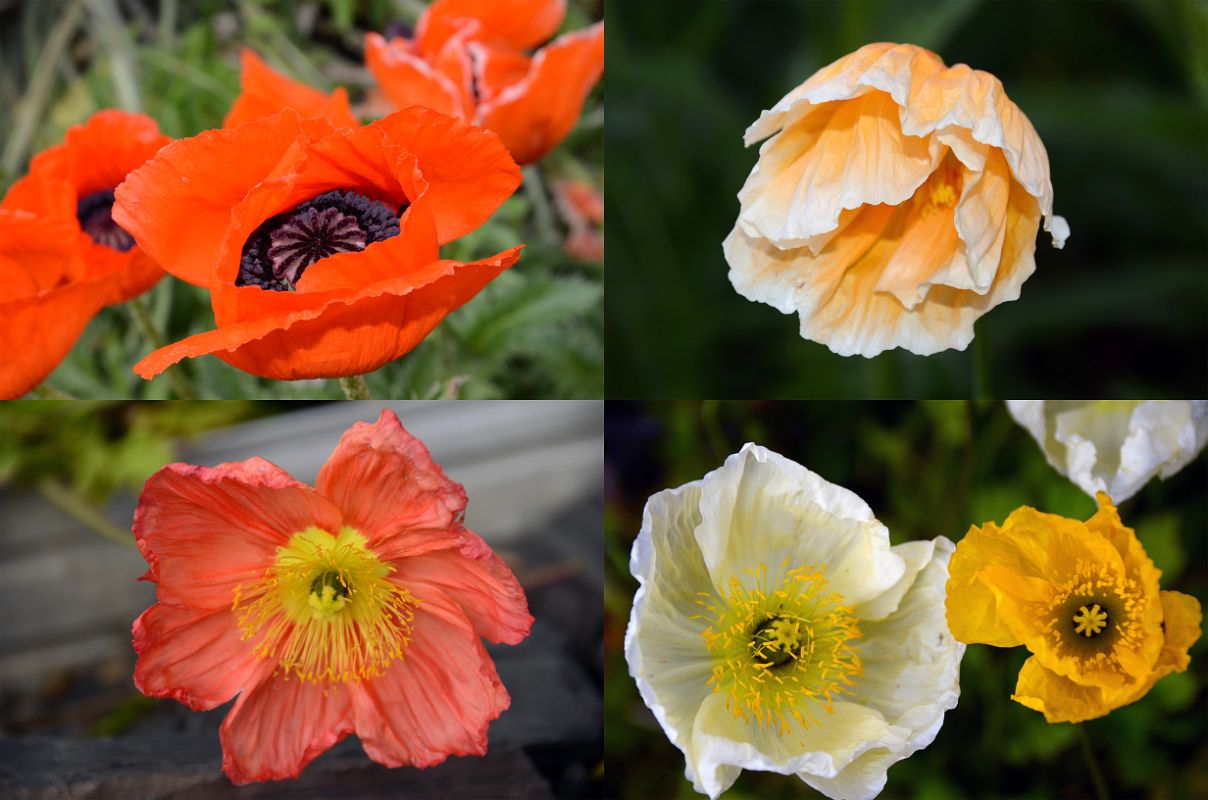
x: 777, y: 629
x: 1115, y: 446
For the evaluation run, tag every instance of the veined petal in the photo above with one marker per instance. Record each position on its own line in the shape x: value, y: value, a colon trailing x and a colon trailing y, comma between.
x: 519, y: 24
x: 1057, y: 697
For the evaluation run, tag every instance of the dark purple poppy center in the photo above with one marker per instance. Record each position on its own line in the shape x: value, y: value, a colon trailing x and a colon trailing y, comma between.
x: 95, y: 213
x: 340, y: 221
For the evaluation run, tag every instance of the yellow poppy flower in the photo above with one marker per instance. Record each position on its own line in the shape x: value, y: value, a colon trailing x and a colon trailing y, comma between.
x: 1083, y: 598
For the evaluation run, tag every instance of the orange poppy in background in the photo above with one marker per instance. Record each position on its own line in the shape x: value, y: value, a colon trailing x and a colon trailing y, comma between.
x: 469, y: 58
x: 265, y: 92
x: 319, y: 245
x: 62, y: 256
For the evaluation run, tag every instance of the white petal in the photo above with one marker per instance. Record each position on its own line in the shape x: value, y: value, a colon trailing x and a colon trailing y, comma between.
x: 762, y: 508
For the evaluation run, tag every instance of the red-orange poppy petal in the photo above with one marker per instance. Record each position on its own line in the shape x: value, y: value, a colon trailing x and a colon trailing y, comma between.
x: 348, y: 336
x: 194, y: 657
x: 388, y: 486
x: 497, y: 68
x: 279, y: 726
x: 246, y: 510
x: 266, y: 91
x: 180, y: 220
x: 519, y: 24
x: 407, y: 80
x: 53, y: 280
x: 438, y: 701
x: 478, y: 581
x: 468, y: 169
x: 534, y: 115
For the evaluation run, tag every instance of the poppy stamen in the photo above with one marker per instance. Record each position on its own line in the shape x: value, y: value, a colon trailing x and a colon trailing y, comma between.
x: 95, y: 213
x: 284, y: 246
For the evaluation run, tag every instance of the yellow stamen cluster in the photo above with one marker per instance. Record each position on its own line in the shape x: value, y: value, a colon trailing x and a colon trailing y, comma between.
x: 943, y: 188
x: 1093, y: 613
x: 325, y: 610
x: 779, y: 647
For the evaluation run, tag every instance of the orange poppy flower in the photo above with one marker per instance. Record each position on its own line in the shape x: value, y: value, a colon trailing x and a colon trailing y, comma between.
x: 319, y: 246
x: 265, y: 92
x: 62, y: 256
x: 468, y: 58
x: 352, y: 607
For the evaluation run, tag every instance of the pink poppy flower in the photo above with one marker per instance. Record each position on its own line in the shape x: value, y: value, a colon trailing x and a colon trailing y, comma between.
x: 355, y: 606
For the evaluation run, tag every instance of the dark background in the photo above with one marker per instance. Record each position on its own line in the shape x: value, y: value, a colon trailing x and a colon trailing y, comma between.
x: 1117, y: 92
x: 926, y: 469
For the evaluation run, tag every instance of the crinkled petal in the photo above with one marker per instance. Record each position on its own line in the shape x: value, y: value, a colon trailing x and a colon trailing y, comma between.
x: 761, y: 508
x: 536, y: 113
x: 408, y: 80
x: 389, y: 489
x: 266, y: 92
x: 1057, y: 697
x: 519, y: 24
x: 194, y: 657
x: 279, y: 726
x: 438, y: 701
x: 205, y: 530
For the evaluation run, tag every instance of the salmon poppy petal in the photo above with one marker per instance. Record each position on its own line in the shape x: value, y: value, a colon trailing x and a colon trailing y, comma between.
x: 205, y: 530
x: 468, y: 169
x: 537, y: 113
x: 278, y: 727
x: 438, y: 701
x: 406, y: 79
x: 478, y: 581
x: 194, y: 657
x: 519, y: 24
x: 390, y: 489
x: 178, y: 205
x: 266, y: 92
x: 346, y: 336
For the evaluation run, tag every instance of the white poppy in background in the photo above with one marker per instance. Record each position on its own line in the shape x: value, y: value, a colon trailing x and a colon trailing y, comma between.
x: 1115, y: 446
x: 776, y: 629
x: 896, y: 201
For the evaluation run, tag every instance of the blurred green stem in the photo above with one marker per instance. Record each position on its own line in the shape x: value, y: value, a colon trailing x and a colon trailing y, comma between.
x: 30, y: 110
x: 355, y: 388
x: 142, y: 317
x: 543, y: 214
x: 981, y: 363
x: 1092, y: 766
x: 111, y: 30
x: 47, y: 392
x: 83, y: 512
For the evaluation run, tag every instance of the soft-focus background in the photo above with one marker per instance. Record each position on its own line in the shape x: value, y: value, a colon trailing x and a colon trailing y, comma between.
x: 73, y: 725
x: 1117, y: 91
x: 536, y: 331
x: 926, y: 469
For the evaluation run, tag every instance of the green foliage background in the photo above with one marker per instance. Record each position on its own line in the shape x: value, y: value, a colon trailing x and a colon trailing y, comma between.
x: 1117, y: 92
x: 926, y: 469
x: 537, y: 331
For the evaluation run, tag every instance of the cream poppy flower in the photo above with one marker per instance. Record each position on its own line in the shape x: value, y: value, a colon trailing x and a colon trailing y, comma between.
x: 776, y: 629
x: 1115, y: 446
x: 896, y: 201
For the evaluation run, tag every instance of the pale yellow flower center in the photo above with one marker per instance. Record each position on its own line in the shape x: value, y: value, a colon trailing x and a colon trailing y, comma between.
x: 1090, y: 621
x: 778, y: 647
x: 325, y: 609
x: 943, y: 189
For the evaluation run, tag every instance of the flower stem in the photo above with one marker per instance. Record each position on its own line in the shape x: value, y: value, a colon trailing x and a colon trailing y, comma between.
x: 355, y: 388
x: 1092, y: 766
x: 45, y: 391
x: 981, y: 364
x: 142, y: 318
x: 543, y: 214
x: 83, y: 512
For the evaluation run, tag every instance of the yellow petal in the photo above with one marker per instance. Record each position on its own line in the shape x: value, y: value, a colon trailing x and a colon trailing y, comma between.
x: 1057, y: 697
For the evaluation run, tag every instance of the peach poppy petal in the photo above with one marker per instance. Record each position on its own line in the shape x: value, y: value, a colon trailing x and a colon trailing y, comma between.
x: 408, y: 80
x: 266, y: 92
x: 205, y: 530
x: 478, y: 581
x: 519, y: 24
x: 350, y: 335
x: 438, y: 701
x: 468, y: 169
x: 278, y: 726
x: 180, y: 221
x: 194, y: 657
x: 533, y: 115
x: 390, y: 489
